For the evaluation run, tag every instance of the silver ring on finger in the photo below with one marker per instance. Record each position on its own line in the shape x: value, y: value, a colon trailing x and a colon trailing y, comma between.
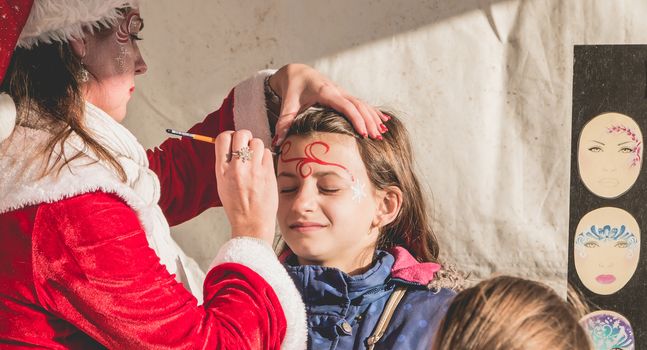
x: 244, y: 154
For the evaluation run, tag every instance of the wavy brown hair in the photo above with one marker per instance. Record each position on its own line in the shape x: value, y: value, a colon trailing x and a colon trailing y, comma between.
x: 45, y: 80
x: 388, y: 162
x: 510, y: 313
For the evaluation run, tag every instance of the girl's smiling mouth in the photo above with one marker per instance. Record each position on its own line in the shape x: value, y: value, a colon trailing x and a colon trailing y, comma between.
x: 306, y: 226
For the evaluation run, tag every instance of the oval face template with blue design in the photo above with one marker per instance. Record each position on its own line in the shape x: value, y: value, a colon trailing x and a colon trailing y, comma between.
x: 609, y: 154
x: 606, y: 249
x: 608, y: 330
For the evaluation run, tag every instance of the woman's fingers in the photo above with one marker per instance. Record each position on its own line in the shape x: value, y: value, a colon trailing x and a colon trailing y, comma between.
x: 302, y: 87
x: 268, y: 161
x: 246, y: 184
x: 371, y: 119
x: 289, y: 110
x: 223, y: 150
x: 354, y: 110
x: 240, y: 146
x: 257, y: 149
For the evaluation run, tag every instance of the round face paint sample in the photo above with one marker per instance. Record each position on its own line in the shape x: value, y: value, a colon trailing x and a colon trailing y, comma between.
x: 609, y: 154
x: 608, y: 330
x: 606, y: 249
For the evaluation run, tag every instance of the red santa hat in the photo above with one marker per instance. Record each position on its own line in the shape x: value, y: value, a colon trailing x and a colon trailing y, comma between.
x: 27, y: 23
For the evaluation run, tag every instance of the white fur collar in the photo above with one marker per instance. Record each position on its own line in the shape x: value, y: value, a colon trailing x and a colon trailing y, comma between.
x: 22, y: 159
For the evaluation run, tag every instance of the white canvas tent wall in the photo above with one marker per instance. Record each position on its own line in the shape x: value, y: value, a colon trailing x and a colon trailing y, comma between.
x: 485, y: 87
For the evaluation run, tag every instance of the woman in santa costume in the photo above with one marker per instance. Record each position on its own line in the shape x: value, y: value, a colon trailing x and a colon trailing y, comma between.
x: 87, y: 260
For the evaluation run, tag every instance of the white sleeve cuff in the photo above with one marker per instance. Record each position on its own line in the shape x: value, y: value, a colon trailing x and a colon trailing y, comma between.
x: 249, y: 106
x: 259, y: 256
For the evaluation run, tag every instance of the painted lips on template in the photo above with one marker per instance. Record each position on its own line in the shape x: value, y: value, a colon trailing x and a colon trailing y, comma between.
x: 609, y: 182
x: 605, y: 279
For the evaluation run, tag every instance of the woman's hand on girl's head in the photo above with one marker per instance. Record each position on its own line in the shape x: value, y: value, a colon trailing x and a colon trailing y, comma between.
x: 300, y: 87
x: 246, y: 184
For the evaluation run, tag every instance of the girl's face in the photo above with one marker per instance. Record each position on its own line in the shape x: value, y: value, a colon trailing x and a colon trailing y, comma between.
x: 113, y: 59
x: 328, y: 209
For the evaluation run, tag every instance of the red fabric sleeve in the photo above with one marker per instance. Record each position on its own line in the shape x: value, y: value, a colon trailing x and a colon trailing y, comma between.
x: 186, y: 167
x: 93, y: 268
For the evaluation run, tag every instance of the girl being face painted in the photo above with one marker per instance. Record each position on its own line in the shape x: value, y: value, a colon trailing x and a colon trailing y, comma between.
x: 328, y: 210
x: 112, y: 58
x: 342, y: 196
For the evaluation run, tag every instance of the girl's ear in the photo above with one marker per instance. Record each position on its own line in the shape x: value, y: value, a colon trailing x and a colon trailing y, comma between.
x: 78, y: 47
x: 390, y: 203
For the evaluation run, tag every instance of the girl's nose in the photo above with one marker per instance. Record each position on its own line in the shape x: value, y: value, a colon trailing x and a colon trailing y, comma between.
x: 304, y: 201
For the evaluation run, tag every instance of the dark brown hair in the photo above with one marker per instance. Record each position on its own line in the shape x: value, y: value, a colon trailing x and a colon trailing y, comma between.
x: 510, y: 313
x: 388, y: 163
x: 45, y: 80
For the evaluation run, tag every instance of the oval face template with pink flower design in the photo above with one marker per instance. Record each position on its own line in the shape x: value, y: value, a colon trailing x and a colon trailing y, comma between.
x: 607, y: 248
x: 609, y: 154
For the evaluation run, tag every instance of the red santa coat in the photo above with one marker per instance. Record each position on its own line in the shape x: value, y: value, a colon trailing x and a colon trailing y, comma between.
x: 77, y: 272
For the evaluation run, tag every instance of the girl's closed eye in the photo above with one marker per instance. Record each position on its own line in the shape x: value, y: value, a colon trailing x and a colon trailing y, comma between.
x: 287, y: 189
x: 287, y: 185
x: 328, y: 190
x: 331, y: 184
x: 135, y: 37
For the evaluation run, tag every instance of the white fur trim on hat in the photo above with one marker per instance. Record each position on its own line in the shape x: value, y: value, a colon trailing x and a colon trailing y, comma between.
x: 259, y: 256
x: 62, y: 20
x: 249, y: 106
x: 7, y: 116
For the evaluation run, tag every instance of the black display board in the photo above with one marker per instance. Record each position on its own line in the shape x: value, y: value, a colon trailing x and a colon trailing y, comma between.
x: 611, y: 79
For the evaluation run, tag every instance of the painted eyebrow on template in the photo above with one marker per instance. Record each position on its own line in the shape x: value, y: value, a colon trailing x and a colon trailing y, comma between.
x: 602, y: 143
x: 622, y: 143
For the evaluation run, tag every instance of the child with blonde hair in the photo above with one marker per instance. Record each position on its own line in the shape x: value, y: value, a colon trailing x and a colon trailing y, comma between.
x: 510, y: 313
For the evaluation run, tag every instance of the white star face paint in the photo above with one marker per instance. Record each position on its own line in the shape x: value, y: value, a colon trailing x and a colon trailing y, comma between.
x: 359, y: 190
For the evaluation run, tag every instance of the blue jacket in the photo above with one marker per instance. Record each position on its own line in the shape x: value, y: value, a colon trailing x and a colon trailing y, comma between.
x: 334, y: 298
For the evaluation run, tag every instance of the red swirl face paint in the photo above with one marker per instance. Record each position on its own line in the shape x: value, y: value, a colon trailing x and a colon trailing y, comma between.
x: 127, y: 30
x: 310, y: 157
x: 131, y: 25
